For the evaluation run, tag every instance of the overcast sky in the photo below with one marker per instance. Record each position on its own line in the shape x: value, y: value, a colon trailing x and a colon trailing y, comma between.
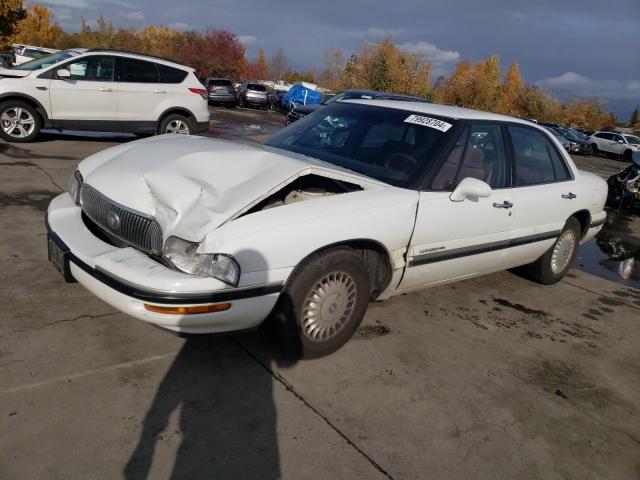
x: 587, y: 48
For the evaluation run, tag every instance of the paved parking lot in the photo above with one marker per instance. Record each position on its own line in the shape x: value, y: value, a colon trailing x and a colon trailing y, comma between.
x: 495, y: 377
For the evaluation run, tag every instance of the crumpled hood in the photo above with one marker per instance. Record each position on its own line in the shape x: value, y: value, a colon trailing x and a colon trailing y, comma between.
x: 192, y: 185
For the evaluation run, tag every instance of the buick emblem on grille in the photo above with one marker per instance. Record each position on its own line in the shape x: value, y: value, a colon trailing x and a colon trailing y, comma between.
x: 113, y: 220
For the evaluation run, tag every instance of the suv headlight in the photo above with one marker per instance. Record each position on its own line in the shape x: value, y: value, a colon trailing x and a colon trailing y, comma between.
x: 182, y: 255
x: 75, y: 185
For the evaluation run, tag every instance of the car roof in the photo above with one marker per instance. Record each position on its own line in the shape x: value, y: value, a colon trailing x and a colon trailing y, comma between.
x: 441, y: 110
x: 139, y: 56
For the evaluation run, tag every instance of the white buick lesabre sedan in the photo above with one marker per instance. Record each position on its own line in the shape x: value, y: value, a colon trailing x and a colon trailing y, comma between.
x: 359, y: 201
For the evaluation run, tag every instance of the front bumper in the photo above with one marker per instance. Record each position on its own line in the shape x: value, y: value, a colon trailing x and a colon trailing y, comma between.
x: 127, y: 279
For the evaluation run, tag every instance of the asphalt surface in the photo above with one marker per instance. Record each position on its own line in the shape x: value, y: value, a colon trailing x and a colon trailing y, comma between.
x: 494, y: 377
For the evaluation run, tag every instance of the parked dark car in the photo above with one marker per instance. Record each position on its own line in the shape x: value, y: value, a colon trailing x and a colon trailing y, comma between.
x: 253, y: 94
x: 577, y: 141
x: 221, y: 90
x: 561, y: 138
x: 6, y: 60
x: 303, y: 110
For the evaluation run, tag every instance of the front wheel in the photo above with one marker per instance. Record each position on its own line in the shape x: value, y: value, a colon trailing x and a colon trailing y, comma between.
x: 19, y: 122
x: 323, y: 302
x: 626, y: 156
x: 177, y: 124
x: 594, y: 150
x: 551, y: 267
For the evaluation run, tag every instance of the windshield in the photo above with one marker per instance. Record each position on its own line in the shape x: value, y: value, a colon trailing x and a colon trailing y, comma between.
x: 632, y: 139
x: 46, y: 61
x: 389, y: 145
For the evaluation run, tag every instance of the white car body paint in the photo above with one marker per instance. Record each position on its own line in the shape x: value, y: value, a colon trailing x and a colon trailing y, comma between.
x: 122, y: 104
x: 198, y: 189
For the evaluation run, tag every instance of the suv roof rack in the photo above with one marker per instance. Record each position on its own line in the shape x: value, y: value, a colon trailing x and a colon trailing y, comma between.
x: 116, y: 50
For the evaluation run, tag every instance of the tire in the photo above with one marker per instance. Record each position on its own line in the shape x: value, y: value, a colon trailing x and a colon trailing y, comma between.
x: 626, y: 156
x: 27, y: 127
x: 177, y: 124
x: 594, y: 150
x: 312, y: 332
x: 241, y: 102
x: 543, y: 270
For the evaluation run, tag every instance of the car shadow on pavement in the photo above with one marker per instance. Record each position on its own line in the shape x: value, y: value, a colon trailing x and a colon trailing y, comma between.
x: 227, y: 415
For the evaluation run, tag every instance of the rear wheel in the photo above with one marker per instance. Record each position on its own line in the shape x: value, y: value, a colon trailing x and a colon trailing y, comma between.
x: 177, y: 124
x: 19, y: 122
x: 551, y: 267
x: 323, y: 303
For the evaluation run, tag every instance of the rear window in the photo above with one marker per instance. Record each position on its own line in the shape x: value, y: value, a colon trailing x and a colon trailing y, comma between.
x: 219, y: 83
x: 138, y: 71
x: 256, y: 87
x: 170, y: 74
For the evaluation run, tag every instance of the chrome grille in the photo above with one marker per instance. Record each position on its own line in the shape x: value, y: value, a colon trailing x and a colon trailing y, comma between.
x: 131, y: 227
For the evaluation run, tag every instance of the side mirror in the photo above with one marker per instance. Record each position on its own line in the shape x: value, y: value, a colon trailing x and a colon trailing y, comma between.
x: 470, y: 188
x: 620, y: 141
x: 63, y: 73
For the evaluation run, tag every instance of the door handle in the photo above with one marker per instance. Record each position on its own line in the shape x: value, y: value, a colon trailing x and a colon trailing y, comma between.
x: 159, y: 91
x: 103, y: 89
x: 569, y: 195
x: 505, y: 204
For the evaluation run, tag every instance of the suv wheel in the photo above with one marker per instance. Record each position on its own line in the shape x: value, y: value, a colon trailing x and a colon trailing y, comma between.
x: 177, y: 124
x: 626, y: 156
x: 19, y: 121
x: 323, y: 303
x: 594, y: 150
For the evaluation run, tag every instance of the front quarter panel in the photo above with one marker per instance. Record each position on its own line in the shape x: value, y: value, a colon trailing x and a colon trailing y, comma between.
x: 270, y: 243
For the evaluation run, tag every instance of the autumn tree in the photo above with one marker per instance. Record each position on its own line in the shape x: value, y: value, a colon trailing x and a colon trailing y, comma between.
x: 334, y: 65
x: 278, y: 65
x: 38, y: 27
x: 511, y: 91
x: 216, y: 53
x: 11, y: 13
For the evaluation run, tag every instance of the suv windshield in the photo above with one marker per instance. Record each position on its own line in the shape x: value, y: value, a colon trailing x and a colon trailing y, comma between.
x: 632, y: 139
x: 390, y: 145
x: 46, y: 61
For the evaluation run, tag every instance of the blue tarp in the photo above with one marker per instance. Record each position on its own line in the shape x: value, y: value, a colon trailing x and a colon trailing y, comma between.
x: 298, y: 94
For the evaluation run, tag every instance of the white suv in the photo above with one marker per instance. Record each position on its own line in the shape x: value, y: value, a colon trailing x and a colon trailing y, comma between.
x: 101, y: 90
x: 613, y: 143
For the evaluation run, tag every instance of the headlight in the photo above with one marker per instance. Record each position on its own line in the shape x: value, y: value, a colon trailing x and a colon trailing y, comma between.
x: 75, y: 184
x: 182, y: 255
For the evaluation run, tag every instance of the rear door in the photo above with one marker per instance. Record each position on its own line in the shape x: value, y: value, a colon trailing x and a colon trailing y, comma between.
x: 89, y: 94
x: 140, y: 92
x: 454, y: 240
x: 544, y: 193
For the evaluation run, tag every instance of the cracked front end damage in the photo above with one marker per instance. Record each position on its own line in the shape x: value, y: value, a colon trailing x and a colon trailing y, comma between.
x: 192, y: 185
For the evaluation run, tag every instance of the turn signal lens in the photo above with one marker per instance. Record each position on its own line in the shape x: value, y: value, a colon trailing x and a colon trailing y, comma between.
x: 218, y: 307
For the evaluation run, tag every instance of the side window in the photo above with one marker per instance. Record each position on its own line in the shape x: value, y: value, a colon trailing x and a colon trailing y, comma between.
x: 617, y: 138
x: 445, y: 179
x: 138, y: 71
x: 484, y: 158
x: 536, y: 160
x: 607, y: 136
x: 170, y: 74
x: 93, y: 69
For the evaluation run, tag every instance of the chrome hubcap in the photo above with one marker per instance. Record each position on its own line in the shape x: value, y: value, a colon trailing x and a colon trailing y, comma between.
x: 17, y: 122
x: 563, y: 251
x: 178, y: 127
x: 328, y: 306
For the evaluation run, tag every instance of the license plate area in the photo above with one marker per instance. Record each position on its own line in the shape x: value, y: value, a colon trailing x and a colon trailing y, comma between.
x: 59, y: 256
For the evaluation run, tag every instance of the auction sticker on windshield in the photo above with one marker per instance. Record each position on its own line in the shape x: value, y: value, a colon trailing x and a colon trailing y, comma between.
x: 428, y: 122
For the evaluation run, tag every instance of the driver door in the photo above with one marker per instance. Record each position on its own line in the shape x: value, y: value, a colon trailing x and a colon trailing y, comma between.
x: 454, y: 240
x: 90, y: 93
